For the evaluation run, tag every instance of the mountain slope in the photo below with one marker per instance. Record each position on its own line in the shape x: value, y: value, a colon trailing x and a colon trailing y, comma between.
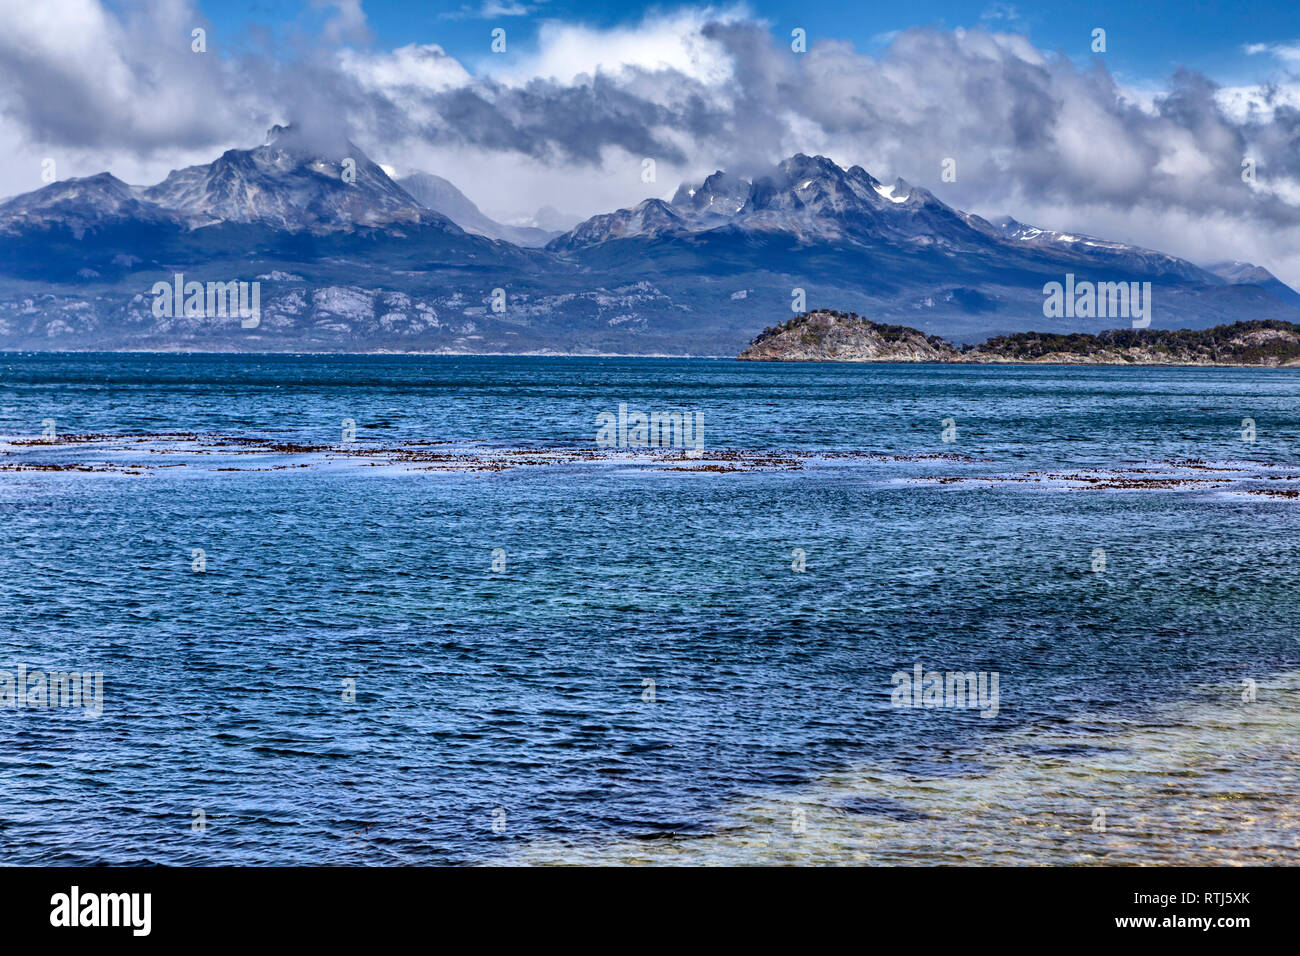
x: 79, y: 204
x: 807, y: 197
x: 292, y: 183
x: 1245, y: 273
x: 652, y: 218
x: 434, y: 192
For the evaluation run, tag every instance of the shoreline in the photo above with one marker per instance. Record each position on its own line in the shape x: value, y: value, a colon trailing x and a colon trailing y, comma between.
x: 653, y: 355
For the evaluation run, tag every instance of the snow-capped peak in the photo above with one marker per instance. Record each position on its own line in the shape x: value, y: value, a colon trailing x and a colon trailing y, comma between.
x: 897, y: 193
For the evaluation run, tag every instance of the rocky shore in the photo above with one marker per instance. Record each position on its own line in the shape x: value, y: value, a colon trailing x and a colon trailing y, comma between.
x: 832, y: 336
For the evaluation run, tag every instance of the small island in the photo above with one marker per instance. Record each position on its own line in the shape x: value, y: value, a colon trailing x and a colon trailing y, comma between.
x: 833, y: 336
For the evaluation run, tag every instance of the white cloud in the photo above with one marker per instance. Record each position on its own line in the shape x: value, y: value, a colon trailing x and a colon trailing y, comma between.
x: 491, y: 9
x: 1244, y: 103
x: 1287, y: 52
x: 503, y: 8
x: 426, y: 67
x: 663, y: 41
x: 348, y: 24
x: 75, y: 75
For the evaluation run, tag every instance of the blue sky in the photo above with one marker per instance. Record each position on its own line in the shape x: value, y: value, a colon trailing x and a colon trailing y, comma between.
x: 1146, y: 41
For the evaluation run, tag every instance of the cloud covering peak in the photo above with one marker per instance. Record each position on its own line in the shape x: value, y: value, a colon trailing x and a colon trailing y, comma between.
x: 1197, y: 170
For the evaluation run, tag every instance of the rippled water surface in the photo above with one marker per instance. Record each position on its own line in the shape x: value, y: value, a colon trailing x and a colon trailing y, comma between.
x: 502, y: 716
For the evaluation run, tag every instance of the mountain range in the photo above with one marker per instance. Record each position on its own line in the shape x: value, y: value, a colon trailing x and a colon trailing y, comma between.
x: 350, y: 259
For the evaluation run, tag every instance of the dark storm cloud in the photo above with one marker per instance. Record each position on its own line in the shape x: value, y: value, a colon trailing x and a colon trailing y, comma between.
x: 558, y: 123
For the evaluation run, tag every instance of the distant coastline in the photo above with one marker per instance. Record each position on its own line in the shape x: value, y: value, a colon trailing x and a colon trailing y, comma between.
x: 421, y: 352
x: 846, y: 337
x: 833, y: 336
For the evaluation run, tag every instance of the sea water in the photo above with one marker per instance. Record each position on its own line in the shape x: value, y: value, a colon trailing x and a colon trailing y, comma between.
x: 641, y: 660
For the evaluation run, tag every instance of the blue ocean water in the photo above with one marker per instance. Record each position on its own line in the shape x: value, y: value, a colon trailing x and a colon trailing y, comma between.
x: 497, y: 708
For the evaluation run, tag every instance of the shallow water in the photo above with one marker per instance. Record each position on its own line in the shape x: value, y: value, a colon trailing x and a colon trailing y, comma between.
x: 1208, y: 781
x: 514, y: 699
